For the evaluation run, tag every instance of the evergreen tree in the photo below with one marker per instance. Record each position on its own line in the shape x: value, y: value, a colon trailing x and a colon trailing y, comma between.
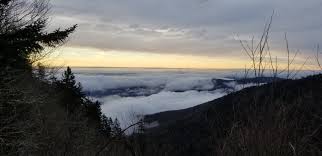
x: 23, y: 33
x: 73, y: 97
x: 68, y: 78
x: 69, y: 82
x: 106, y: 124
x: 93, y: 113
x: 20, y: 36
x: 116, y: 128
x: 42, y: 117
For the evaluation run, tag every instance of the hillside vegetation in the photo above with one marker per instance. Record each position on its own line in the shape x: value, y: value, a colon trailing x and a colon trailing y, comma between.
x: 39, y: 114
x: 279, y: 118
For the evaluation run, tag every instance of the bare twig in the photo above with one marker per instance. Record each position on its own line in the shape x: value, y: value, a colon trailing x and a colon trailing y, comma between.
x: 293, y: 148
x: 317, y: 56
x: 258, y: 54
x: 115, y: 138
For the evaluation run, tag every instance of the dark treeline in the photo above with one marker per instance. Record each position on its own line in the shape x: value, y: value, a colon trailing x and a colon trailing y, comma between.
x: 39, y: 114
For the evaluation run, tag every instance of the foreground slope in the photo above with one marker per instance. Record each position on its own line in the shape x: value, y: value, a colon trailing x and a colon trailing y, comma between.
x: 281, y: 118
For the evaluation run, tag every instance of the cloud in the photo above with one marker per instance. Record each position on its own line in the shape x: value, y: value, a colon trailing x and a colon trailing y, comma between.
x: 163, y: 90
x: 168, y: 80
x: 190, y: 83
x: 127, y: 94
x: 125, y: 108
x: 197, y: 27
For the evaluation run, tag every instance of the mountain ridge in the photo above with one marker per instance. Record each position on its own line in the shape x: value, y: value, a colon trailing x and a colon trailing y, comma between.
x: 259, y: 120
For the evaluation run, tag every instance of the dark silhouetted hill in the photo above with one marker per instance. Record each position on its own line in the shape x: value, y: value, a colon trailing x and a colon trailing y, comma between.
x: 279, y: 118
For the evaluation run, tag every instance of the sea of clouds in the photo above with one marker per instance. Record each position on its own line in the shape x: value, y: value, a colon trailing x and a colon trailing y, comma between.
x: 128, y: 94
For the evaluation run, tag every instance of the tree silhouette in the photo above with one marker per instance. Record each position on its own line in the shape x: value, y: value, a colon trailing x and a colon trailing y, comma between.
x: 106, y: 128
x: 73, y: 97
x: 20, y: 37
x: 40, y: 115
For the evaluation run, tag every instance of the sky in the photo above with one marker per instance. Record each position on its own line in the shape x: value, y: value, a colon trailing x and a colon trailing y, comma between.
x: 181, y: 33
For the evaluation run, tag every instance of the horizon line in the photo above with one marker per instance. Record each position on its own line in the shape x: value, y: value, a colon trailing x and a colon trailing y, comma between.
x: 313, y: 70
x: 151, y: 67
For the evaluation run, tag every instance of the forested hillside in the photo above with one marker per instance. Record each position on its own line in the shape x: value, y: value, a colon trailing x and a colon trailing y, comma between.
x: 279, y: 118
x: 39, y: 114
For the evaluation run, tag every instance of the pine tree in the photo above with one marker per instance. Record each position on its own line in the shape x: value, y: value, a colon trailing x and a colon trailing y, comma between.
x: 116, y: 128
x: 106, y: 124
x: 93, y: 113
x: 42, y: 117
x: 73, y: 97
x: 68, y: 78
x: 23, y: 33
x: 69, y: 81
x: 21, y: 36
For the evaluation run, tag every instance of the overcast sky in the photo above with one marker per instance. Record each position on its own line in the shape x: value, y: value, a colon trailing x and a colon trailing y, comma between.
x: 194, y: 28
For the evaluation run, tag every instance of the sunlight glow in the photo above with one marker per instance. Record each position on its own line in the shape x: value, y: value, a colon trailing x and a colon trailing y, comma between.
x: 90, y: 57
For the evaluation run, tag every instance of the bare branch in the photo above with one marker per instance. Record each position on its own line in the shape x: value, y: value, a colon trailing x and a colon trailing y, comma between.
x: 115, y: 138
x: 317, y: 56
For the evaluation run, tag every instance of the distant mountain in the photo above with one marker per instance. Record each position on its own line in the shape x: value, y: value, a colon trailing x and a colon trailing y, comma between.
x: 229, y: 85
x: 278, y: 118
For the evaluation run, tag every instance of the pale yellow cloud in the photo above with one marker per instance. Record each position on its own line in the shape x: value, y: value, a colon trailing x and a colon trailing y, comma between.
x: 90, y: 57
